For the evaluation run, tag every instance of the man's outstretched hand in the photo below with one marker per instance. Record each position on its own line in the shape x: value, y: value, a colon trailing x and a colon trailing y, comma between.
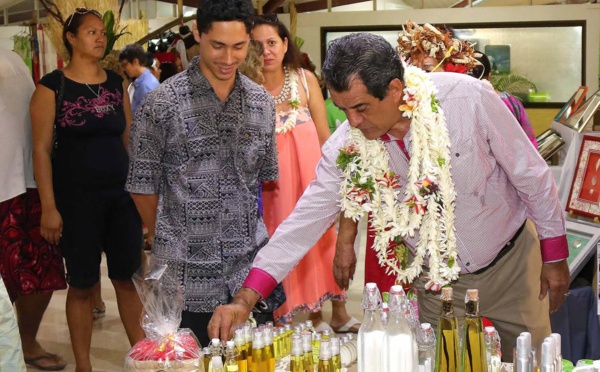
x: 227, y: 317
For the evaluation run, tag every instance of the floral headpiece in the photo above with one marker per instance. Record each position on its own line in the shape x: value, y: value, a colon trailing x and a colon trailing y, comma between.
x: 457, y: 55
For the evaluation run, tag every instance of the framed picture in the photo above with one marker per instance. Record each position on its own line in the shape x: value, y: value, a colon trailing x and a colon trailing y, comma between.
x: 584, y: 198
x: 571, y: 105
x: 580, y: 118
x: 549, y: 143
x: 499, y: 56
x: 583, y: 242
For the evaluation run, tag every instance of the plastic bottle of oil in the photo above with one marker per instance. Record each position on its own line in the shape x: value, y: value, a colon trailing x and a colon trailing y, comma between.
x: 231, y: 364
x: 325, y: 363
x: 248, y: 339
x: 269, y: 353
x: 335, y: 354
x: 242, y: 352
x: 296, y: 361
x: 307, y: 357
x: 259, y: 363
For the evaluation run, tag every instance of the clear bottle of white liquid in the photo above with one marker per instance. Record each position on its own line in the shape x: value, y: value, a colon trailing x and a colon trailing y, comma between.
x: 426, y: 348
x: 370, y: 334
x: 398, y: 354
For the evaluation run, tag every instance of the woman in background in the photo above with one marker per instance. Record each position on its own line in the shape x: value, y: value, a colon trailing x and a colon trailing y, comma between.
x: 301, y: 131
x: 81, y: 176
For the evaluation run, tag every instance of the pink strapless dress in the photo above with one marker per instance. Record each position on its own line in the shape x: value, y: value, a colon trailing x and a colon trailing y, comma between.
x: 311, y: 282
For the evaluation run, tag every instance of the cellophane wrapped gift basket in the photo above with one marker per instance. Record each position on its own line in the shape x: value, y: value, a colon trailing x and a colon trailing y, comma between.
x: 166, y: 347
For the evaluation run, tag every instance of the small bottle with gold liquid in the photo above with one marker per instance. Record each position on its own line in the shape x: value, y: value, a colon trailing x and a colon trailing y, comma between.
x: 242, y: 353
x: 259, y: 364
x: 269, y: 353
x: 307, y: 357
x: 231, y: 364
x: 248, y: 339
x: 276, y: 339
x: 207, y: 357
x: 446, y: 359
x: 215, y: 351
x: 336, y: 359
x: 287, y: 344
x: 316, y: 347
x: 296, y: 360
x: 473, y: 343
x: 326, y: 335
x: 325, y: 363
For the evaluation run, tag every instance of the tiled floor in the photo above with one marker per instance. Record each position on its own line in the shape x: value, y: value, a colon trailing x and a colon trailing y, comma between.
x: 109, y: 342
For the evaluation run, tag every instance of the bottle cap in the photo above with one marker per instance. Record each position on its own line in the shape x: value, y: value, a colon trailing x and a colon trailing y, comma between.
x: 238, y: 337
x: 371, y: 298
x: 385, y: 306
x: 287, y: 327
x: 297, y: 330
x: 548, y: 352
x: 446, y: 294
x: 327, y: 332
x: 335, y: 345
x: 472, y: 295
x: 206, y: 351
x: 324, y: 351
x: 215, y: 342
x: 269, y: 324
x: 425, y: 326
x: 297, y: 345
x: 490, y: 329
x: 247, y: 333
x: 308, y: 324
x: 523, y: 346
x: 396, y: 289
x: 257, y: 340
x: 371, y: 285
x: 557, y: 341
x: 268, y: 336
x: 316, y: 337
x: 230, y: 344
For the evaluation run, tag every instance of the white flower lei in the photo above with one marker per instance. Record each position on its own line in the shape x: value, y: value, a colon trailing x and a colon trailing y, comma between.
x: 294, y: 101
x: 369, y: 186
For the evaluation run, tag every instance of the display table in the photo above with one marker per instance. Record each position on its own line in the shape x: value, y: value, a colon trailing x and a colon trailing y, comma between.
x: 283, y: 365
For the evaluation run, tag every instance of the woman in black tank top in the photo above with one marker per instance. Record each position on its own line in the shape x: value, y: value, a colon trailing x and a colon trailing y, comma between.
x: 81, y: 117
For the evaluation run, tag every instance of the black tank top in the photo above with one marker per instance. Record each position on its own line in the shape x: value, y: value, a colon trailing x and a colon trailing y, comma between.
x: 90, y: 122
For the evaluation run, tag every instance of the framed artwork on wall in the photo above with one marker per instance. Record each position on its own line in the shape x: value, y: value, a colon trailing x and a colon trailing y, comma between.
x: 499, y: 56
x: 584, y: 198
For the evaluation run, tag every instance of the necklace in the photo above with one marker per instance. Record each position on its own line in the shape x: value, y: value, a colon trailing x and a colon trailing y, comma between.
x: 91, y: 90
x: 294, y: 101
x: 285, y: 90
x: 428, y: 205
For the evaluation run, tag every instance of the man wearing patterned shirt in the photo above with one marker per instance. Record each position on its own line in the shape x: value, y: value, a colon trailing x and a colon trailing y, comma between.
x: 200, y: 144
x: 500, y: 181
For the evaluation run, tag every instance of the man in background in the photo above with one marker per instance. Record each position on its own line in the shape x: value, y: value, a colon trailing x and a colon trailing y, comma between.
x: 133, y: 61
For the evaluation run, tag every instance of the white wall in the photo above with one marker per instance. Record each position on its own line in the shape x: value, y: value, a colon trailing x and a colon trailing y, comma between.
x: 6, y: 32
x: 309, y: 24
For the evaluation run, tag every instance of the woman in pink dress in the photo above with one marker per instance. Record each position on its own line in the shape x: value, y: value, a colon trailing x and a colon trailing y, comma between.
x: 301, y: 130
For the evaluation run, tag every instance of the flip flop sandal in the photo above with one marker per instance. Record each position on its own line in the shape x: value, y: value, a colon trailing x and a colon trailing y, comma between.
x: 349, y: 327
x: 98, y: 313
x: 35, y: 362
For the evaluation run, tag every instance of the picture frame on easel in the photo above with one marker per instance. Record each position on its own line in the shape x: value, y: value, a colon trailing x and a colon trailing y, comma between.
x: 579, y: 119
x: 571, y: 105
x: 584, y: 197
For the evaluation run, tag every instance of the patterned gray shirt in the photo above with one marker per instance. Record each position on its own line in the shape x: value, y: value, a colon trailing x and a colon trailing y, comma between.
x: 205, y: 158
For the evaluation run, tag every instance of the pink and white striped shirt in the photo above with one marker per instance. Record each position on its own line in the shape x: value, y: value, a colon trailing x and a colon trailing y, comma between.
x: 499, y: 176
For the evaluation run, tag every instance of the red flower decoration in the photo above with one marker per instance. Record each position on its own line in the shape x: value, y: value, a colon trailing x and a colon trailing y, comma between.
x: 449, y: 67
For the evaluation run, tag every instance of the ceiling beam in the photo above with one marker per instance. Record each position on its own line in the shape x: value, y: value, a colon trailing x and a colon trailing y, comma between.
x: 322, y: 4
x: 271, y: 5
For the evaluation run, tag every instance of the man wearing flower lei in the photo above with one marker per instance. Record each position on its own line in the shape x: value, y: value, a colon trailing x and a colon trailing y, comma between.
x: 457, y: 192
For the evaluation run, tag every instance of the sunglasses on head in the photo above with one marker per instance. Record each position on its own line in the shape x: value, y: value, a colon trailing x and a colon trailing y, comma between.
x: 83, y: 11
x: 269, y: 18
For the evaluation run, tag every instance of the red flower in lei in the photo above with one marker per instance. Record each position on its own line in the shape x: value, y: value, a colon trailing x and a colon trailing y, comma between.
x: 449, y: 67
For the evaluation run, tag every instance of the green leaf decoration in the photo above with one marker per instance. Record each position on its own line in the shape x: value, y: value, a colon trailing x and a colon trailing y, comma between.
x: 512, y: 83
